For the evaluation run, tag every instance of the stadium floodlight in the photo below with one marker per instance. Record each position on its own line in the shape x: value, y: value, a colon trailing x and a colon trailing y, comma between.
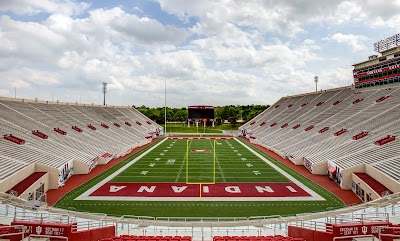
x: 104, y: 92
x: 316, y: 83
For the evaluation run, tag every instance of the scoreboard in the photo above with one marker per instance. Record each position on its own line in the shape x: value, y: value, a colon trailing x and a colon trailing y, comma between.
x: 201, y: 112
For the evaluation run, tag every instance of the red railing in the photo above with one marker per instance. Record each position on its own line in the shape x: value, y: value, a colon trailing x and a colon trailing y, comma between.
x: 252, y: 123
x: 284, y: 125
x: 59, y: 131
x: 323, y: 130
x: 263, y: 123
x: 320, y: 103
x: 296, y: 126
x: 148, y: 122
x: 40, y: 134
x: 357, y: 101
x: 277, y: 106
x: 127, y: 123
x: 337, y: 102
x: 360, y: 135
x: 91, y: 127
x: 137, y: 122
x: 309, y: 128
x: 104, y: 125
x: 117, y: 125
x: 289, y: 105
x: 272, y: 125
x: 304, y: 104
x: 382, y: 98
x: 341, y: 132
x: 385, y: 140
x: 77, y: 129
x: 12, y: 138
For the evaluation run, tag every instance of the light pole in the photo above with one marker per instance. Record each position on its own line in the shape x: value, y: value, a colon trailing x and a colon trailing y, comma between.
x: 165, y: 106
x: 104, y: 92
x: 316, y: 83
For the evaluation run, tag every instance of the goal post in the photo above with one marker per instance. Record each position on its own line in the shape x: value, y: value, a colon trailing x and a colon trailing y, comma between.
x: 201, y: 165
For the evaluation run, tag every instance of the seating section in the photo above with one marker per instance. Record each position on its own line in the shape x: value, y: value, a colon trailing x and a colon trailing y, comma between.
x: 256, y: 238
x: 342, y: 126
x: 148, y: 238
x: 53, y: 134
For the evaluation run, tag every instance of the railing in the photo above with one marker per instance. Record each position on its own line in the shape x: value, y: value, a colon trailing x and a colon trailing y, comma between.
x: 18, y: 227
x: 12, y: 206
x: 358, y: 218
x: 47, y: 237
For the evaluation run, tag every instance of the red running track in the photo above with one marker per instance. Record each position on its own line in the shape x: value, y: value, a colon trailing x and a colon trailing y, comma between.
x: 76, y: 180
x: 347, y: 196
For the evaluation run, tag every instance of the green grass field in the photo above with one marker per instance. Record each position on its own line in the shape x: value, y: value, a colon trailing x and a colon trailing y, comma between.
x: 170, y: 162
x: 182, y: 128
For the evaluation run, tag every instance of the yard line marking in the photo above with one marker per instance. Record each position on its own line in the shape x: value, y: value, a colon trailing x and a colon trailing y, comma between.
x: 287, y: 175
x: 256, y: 173
x: 144, y: 172
x: 183, y: 164
x: 219, y: 166
x: 249, y: 164
x: 119, y: 171
x: 152, y: 164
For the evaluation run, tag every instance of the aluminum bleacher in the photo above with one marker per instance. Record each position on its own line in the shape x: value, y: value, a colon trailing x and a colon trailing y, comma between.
x: 20, y: 117
x: 343, y: 110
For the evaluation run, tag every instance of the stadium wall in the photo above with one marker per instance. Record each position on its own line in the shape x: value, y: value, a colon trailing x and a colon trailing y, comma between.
x: 80, y: 167
x: 43, y: 180
x: 320, y: 168
x: 53, y: 174
x: 17, y: 177
x: 385, y: 180
x: 364, y: 186
x: 346, y: 176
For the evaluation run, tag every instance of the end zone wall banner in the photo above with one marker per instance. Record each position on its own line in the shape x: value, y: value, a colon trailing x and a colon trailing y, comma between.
x: 65, y: 172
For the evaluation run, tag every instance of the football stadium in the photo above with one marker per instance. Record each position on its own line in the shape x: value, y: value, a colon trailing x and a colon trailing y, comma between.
x: 313, y: 166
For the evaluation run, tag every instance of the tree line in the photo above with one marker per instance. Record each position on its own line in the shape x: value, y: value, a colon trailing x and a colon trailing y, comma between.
x: 232, y: 113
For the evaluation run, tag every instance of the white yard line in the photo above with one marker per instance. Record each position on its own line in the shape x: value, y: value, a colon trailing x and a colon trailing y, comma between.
x: 314, y: 196
x: 114, y: 174
x: 219, y: 166
x: 183, y: 163
x: 287, y: 175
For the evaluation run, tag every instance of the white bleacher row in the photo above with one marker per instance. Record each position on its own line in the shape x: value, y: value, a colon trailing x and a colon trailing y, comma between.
x: 379, y: 119
x: 21, y: 118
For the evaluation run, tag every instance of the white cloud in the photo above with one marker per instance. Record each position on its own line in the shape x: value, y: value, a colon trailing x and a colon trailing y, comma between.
x: 22, y: 7
x: 230, y: 52
x: 355, y: 42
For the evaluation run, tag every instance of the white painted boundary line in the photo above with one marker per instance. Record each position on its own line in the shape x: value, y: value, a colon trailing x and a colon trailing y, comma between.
x: 85, y: 195
x: 287, y: 175
x: 266, y: 199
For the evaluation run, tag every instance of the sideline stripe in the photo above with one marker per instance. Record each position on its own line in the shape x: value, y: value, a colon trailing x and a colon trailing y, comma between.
x: 287, y: 175
x: 114, y: 174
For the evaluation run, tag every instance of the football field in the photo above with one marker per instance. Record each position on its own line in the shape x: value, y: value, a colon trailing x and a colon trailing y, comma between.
x: 192, y: 177
x: 196, y: 161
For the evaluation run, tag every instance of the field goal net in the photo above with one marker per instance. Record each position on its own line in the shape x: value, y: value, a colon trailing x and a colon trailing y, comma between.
x: 200, y: 161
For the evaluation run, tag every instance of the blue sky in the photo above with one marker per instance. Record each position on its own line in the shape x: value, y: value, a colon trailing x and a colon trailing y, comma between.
x: 209, y: 52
